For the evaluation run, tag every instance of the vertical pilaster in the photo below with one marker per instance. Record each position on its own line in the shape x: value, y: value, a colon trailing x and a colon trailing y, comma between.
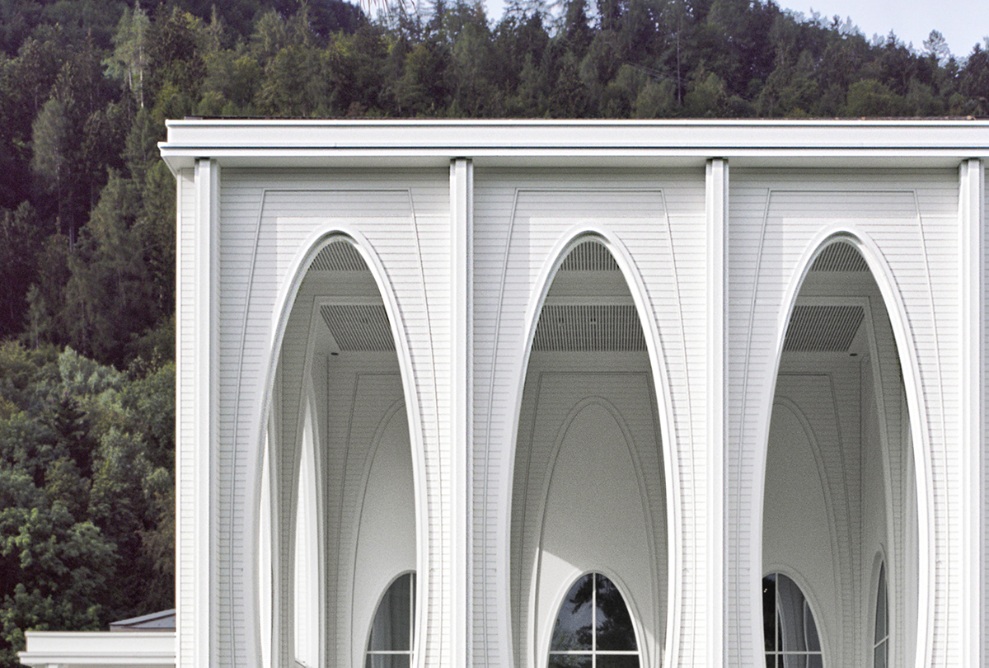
x: 971, y: 206
x: 461, y: 219
x: 716, y: 206
x: 196, y: 426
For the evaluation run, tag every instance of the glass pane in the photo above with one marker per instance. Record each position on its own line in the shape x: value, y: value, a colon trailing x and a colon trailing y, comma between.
x: 881, y: 606
x: 770, y: 661
x: 810, y: 630
x: 618, y: 661
x: 573, y: 625
x: 614, y: 624
x: 790, y: 603
x: 569, y: 661
x: 769, y: 613
x: 793, y: 661
x: 879, y: 657
x: 388, y: 661
x: 816, y: 661
x: 392, y: 626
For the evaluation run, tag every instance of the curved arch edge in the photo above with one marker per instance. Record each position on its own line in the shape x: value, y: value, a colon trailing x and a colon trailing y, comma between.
x: 566, y: 242
x: 284, y: 303
x: 909, y: 365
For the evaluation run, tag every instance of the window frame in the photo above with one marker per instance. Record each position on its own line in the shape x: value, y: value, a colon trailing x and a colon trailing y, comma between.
x: 411, y: 652
x: 882, y: 586
x: 594, y: 652
x: 807, y: 613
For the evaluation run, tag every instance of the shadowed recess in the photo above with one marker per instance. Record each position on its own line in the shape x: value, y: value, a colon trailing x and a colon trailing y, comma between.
x: 823, y: 328
x: 338, y: 257
x: 585, y: 328
x: 359, y: 327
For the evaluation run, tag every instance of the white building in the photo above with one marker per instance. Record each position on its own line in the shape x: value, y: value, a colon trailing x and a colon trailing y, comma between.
x: 447, y: 387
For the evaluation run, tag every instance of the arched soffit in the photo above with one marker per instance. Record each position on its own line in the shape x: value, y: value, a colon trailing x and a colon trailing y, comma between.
x: 882, y: 274
x: 801, y: 418
x: 284, y: 303
x: 393, y: 412
x: 389, y: 415
x: 628, y: 442
x: 379, y: 431
x: 660, y: 381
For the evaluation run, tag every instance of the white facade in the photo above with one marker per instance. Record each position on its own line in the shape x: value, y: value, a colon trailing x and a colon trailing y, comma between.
x: 502, y: 355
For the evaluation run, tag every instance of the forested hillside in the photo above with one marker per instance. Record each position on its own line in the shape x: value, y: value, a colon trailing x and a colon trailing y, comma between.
x: 87, y: 208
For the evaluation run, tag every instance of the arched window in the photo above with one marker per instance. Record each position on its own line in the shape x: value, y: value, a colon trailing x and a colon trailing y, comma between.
x: 880, y: 645
x: 594, y: 628
x: 392, y: 639
x: 788, y: 625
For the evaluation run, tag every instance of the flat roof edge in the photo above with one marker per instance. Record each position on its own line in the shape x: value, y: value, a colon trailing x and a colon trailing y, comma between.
x: 302, y: 141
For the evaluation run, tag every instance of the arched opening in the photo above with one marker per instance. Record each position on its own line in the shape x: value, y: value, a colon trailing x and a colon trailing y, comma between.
x: 594, y: 627
x: 339, y: 460
x: 391, y: 640
x: 589, y: 482
x: 880, y: 638
x: 789, y: 628
x: 840, y: 484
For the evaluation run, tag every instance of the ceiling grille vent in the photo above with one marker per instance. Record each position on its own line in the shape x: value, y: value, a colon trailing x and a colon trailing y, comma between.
x: 571, y: 328
x: 823, y: 328
x: 589, y: 256
x: 359, y: 327
x: 839, y: 257
x: 339, y: 256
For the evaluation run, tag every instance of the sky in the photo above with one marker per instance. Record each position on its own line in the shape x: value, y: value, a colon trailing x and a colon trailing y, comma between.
x: 962, y: 22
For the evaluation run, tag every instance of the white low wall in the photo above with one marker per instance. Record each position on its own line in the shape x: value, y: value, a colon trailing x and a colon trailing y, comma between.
x: 47, y: 649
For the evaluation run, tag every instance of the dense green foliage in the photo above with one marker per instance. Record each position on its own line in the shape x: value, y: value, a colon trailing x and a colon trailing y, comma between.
x: 86, y: 491
x: 87, y: 209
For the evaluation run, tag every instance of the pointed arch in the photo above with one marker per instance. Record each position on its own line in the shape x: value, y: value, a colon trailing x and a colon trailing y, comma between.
x: 660, y: 383
x: 908, y: 360
x: 284, y: 304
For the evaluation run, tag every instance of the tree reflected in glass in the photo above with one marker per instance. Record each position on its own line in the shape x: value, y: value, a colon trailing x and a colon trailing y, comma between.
x: 593, y: 628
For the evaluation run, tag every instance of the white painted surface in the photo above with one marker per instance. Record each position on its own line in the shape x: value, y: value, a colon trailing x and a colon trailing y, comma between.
x: 594, y: 521
x: 525, y: 222
x: 796, y: 536
x: 778, y: 221
x: 306, y: 568
x: 656, y: 215
x: 47, y: 649
x: 386, y: 537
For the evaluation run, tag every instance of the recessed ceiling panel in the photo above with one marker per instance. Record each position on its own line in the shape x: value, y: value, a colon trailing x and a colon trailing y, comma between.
x: 589, y: 328
x: 839, y: 257
x: 589, y: 256
x: 338, y: 256
x: 359, y: 327
x: 823, y: 328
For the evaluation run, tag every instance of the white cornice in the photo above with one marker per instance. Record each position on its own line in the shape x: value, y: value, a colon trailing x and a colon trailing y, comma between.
x: 127, y: 648
x: 347, y: 143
